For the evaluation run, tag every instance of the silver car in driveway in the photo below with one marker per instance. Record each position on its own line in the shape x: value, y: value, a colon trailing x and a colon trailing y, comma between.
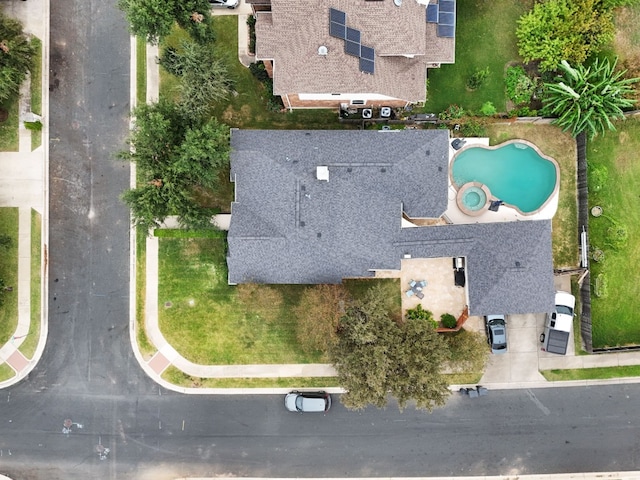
x: 224, y: 3
x: 496, y: 328
x: 303, y: 402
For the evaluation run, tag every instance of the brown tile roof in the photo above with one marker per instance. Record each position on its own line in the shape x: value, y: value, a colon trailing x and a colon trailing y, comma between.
x: 292, y: 32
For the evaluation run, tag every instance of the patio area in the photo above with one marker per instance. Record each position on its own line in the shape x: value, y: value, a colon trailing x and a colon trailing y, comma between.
x: 440, y: 293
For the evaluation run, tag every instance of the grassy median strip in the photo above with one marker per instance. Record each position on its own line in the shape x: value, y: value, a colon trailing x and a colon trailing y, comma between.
x: 141, y: 70
x: 599, y: 373
x: 30, y: 343
x: 9, y: 273
x: 36, y: 90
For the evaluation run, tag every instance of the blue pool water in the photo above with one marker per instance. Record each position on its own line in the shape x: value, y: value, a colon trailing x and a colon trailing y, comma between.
x: 515, y: 173
x: 474, y: 198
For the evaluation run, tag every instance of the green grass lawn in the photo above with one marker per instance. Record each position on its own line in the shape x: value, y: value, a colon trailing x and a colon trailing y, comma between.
x: 9, y: 273
x: 6, y: 372
x: 247, y: 106
x: 591, y: 373
x: 30, y: 343
x: 614, y: 318
x: 485, y: 37
x: 36, y: 90
x: 553, y: 142
x: 208, y: 324
x: 141, y: 70
x: 9, y: 141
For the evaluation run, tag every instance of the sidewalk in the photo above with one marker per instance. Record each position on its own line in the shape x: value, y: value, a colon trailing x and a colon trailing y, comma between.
x: 23, y: 184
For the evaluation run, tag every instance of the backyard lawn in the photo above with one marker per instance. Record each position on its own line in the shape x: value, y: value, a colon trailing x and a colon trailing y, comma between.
x: 485, y: 37
x: 561, y: 146
x: 614, y: 314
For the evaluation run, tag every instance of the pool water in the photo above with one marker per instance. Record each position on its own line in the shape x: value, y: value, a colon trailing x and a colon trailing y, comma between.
x: 474, y: 199
x: 515, y: 173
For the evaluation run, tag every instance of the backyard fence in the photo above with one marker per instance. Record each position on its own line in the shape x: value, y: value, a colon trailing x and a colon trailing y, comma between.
x: 583, y: 227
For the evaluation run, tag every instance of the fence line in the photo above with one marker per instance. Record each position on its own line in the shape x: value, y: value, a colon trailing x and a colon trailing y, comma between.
x: 583, y: 223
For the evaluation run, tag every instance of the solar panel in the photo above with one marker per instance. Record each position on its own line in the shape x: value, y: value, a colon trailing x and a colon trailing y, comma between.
x: 367, y: 66
x: 446, y: 18
x: 447, y: 31
x: 432, y: 13
x: 447, y: 6
x: 338, y: 16
x: 353, y: 35
x: 367, y: 53
x: 352, y: 48
x: 337, y: 30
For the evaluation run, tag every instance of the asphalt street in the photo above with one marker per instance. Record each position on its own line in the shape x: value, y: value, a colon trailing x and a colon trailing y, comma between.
x: 89, y: 375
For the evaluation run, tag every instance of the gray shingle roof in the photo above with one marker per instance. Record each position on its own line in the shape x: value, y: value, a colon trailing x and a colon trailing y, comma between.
x: 289, y: 227
x: 292, y: 32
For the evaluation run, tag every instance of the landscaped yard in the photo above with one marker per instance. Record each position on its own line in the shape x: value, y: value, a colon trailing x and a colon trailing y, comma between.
x: 208, y: 323
x: 9, y: 273
x: 485, y: 37
x: 614, y: 314
x: 562, y: 148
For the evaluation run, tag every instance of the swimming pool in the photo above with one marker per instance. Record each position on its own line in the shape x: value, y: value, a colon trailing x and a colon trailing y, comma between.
x: 516, y: 172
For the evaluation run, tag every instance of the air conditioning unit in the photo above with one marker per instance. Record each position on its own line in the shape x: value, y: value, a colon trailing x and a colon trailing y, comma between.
x: 367, y: 113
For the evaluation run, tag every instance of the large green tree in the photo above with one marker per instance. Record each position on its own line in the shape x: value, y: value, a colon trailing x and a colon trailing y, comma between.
x: 558, y: 30
x: 587, y: 98
x: 154, y: 19
x: 376, y: 356
x: 203, y: 78
x: 16, y: 56
x: 177, y: 157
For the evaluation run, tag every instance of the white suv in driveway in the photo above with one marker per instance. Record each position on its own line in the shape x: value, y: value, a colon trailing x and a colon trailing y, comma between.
x: 224, y: 3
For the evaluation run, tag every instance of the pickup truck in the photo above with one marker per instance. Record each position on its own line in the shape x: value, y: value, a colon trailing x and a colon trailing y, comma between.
x: 559, y: 323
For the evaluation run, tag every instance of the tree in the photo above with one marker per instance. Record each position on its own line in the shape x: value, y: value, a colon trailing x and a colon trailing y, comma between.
x: 154, y: 19
x: 203, y: 78
x: 586, y: 99
x: 176, y: 157
x: 16, y: 56
x: 318, y: 315
x: 558, y: 30
x: 376, y: 356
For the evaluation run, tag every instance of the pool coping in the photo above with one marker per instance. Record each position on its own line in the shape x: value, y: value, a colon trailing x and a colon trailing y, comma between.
x: 553, y: 161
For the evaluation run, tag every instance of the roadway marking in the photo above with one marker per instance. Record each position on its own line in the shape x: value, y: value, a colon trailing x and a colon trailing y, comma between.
x: 538, y: 403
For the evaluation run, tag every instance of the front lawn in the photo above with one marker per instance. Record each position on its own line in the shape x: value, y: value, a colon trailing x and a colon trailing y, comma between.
x: 9, y: 274
x: 247, y: 106
x: 616, y: 303
x: 202, y: 317
x: 485, y: 37
x: 562, y: 147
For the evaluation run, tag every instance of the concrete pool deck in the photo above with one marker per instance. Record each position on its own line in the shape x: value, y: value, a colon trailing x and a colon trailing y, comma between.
x: 504, y: 213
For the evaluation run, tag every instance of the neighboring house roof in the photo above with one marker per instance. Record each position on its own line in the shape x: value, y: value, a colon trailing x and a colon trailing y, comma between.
x: 289, y: 227
x: 404, y: 44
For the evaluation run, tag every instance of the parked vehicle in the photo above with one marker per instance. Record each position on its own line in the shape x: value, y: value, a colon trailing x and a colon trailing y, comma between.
x: 303, y: 402
x: 224, y: 3
x: 559, y: 323
x: 496, y: 328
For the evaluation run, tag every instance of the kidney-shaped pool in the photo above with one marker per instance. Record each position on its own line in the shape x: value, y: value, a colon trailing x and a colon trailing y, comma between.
x: 515, y: 172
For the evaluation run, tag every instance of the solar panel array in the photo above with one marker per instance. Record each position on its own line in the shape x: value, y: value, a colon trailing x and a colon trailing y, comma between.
x: 444, y: 14
x: 352, y: 44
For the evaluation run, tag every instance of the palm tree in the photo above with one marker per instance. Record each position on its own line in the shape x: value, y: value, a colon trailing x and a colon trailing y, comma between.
x: 587, y: 99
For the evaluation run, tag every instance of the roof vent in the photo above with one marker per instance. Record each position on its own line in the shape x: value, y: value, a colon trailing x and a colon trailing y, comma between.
x: 322, y: 50
x: 397, y: 2
x: 322, y: 173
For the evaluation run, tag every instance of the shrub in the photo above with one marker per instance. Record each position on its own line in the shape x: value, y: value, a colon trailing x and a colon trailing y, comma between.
x: 452, y: 112
x: 598, y: 176
x: 520, y: 88
x: 597, y: 255
x: 473, y: 128
x: 419, y: 313
x: 259, y: 71
x: 448, y: 320
x: 523, y: 112
x: 251, y: 22
x: 488, y: 109
x: 476, y: 80
x: 468, y: 351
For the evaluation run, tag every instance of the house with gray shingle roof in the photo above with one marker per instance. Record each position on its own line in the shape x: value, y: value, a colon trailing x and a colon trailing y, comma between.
x: 320, y: 206
x: 326, y: 53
